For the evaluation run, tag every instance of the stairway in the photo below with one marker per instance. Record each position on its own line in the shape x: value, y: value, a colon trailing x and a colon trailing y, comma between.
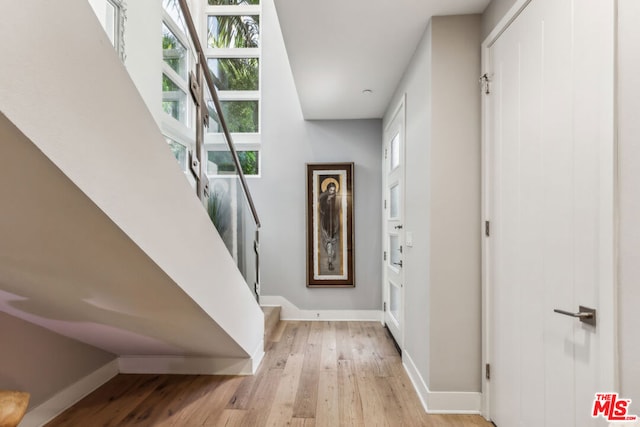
x: 271, y: 322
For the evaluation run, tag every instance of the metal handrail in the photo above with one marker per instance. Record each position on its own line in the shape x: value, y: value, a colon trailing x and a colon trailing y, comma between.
x: 202, y: 59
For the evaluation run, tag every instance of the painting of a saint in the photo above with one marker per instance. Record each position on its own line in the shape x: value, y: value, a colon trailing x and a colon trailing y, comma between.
x: 330, y: 215
x: 330, y: 234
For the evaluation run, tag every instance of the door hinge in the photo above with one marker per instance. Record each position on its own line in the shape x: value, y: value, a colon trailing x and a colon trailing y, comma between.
x: 487, y: 371
x: 484, y: 82
x: 487, y: 228
x: 385, y: 203
x: 385, y: 153
x: 400, y: 249
x: 384, y: 306
x: 384, y: 256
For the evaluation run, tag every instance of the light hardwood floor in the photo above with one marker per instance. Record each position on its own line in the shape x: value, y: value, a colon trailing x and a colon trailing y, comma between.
x: 313, y: 374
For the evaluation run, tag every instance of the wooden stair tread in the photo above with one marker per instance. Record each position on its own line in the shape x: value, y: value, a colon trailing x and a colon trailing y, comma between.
x: 13, y: 406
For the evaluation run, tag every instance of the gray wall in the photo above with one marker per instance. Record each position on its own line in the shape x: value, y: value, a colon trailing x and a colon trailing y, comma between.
x: 288, y: 142
x: 442, y: 269
x: 455, y: 204
x: 41, y: 362
x: 493, y: 14
x: 629, y: 187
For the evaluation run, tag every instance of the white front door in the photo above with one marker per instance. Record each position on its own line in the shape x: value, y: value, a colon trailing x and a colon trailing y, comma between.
x: 549, y: 175
x: 393, y: 214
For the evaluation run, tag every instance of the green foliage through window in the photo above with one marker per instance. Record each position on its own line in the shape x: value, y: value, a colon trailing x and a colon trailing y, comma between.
x: 226, y: 166
x: 173, y: 52
x: 235, y: 73
x: 174, y: 99
x: 233, y: 31
x: 241, y: 116
x: 232, y: 2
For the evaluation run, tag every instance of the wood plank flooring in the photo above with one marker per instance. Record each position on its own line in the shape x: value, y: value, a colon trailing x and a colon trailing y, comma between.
x: 314, y: 374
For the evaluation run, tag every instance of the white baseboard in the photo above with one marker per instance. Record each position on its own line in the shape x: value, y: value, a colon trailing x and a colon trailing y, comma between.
x: 435, y: 402
x: 291, y: 312
x: 256, y: 358
x: 185, y: 365
x: 62, y: 400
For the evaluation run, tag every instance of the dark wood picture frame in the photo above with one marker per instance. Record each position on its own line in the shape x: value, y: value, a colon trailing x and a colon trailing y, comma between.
x: 330, y: 237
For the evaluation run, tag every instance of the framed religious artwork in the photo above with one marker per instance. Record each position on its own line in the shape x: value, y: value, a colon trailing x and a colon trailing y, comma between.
x: 330, y: 251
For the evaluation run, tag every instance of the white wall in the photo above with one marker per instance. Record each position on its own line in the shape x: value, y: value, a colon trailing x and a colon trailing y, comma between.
x: 629, y: 193
x: 442, y: 269
x: 288, y: 142
x: 143, y: 50
x: 41, y: 362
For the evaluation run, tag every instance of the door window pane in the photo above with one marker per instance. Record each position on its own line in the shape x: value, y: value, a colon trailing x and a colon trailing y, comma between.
x: 394, y: 251
x: 233, y: 31
x: 395, y: 152
x: 394, y: 201
x: 235, y: 73
x: 394, y: 301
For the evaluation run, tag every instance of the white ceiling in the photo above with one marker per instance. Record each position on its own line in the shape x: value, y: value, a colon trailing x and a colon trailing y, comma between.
x: 338, y: 48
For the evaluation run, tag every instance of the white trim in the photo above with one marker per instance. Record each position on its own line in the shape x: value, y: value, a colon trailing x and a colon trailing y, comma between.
x: 233, y: 9
x: 291, y: 312
x: 257, y: 357
x: 504, y: 23
x: 488, y: 42
x: 180, y: 365
x: 450, y: 402
x: 67, y: 397
x: 398, y: 120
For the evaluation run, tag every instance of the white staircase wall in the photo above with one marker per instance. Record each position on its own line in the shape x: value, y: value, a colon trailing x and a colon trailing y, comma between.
x: 63, y: 86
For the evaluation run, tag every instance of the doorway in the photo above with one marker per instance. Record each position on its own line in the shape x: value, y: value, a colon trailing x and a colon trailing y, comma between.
x: 393, y: 220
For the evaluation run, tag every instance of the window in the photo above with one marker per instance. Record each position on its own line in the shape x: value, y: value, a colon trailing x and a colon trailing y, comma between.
x: 233, y: 31
x: 180, y: 153
x: 221, y: 162
x: 232, y: 47
x: 174, y: 52
x: 111, y: 15
x: 235, y: 73
x: 241, y: 116
x: 232, y: 2
x: 177, y: 61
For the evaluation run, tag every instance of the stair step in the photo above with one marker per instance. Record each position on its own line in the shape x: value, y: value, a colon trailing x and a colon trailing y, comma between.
x: 271, y: 321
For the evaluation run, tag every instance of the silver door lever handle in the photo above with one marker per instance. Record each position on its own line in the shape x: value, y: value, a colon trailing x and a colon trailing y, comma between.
x: 568, y: 313
x: 585, y: 314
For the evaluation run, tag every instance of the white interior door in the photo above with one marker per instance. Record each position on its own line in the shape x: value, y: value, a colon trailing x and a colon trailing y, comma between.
x: 393, y: 214
x: 550, y: 204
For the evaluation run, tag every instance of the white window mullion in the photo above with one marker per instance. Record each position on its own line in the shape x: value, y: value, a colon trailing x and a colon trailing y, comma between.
x: 241, y: 9
x: 239, y: 95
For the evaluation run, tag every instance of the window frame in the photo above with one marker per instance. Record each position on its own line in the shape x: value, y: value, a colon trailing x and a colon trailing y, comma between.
x: 240, y: 147
x: 222, y: 53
